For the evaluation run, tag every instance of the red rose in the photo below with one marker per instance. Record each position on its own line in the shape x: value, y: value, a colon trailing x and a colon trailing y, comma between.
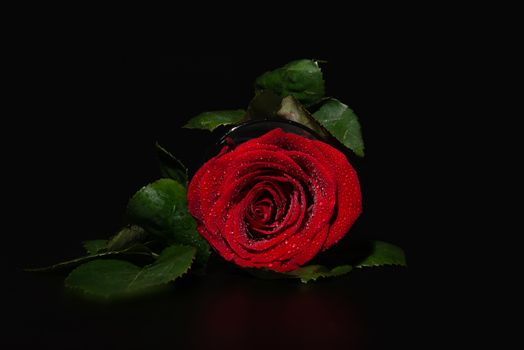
x: 275, y: 201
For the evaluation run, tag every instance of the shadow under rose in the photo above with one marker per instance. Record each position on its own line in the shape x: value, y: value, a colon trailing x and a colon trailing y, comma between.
x: 227, y: 308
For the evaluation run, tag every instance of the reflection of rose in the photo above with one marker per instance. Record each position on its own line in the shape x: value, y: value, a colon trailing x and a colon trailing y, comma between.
x: 237, y: 313
x: 275, y: 201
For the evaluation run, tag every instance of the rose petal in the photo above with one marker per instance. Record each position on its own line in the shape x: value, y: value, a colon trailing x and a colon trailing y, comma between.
x: 349, y: 198
x: 275, y: 201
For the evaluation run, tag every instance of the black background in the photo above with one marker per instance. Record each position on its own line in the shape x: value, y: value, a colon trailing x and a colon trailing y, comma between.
x: 93, y: 125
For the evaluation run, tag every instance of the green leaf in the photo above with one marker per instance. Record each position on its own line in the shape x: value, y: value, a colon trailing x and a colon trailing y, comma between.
x: 264, y: 105
x: 135, y: 251
x: 305, y: 274
x: 94, y: 246
x: 113, y: 278
x: 161, y: 208
x: 379, y: 254
x: 383, y: 254
x: 292, y: 109
x: 171, y: 167
x: 127, y: 237
x: 211, y: 120
x: 301, y: 79
x: 312, y: 272
x: 342, y: 123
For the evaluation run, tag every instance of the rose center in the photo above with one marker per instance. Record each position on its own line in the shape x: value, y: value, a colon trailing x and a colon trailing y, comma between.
x: 262, y: 211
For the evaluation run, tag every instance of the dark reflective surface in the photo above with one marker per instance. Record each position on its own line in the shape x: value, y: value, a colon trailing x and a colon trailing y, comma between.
x: 226, y: 309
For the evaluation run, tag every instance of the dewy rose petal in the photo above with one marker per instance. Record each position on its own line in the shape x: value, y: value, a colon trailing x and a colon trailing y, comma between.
x: 275, y: 201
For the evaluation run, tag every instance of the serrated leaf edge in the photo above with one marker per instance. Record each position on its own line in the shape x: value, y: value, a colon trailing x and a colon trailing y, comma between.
x: 305, y: 281
x: 108, y: 296
x: 86, y: 259
x: 403, y: 264
x: 182, y: 274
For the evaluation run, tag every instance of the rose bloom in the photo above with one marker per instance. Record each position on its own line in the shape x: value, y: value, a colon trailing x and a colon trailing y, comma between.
x: 275, y: 201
